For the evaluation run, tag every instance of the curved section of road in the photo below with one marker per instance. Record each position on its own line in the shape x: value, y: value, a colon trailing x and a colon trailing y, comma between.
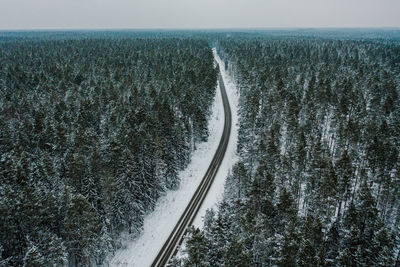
x: 175, y: 238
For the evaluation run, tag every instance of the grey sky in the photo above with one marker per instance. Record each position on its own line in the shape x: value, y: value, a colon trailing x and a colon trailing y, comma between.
x: 106, y: 14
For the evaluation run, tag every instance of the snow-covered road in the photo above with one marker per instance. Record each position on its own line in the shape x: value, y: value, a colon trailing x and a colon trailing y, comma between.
x: 159, y: 224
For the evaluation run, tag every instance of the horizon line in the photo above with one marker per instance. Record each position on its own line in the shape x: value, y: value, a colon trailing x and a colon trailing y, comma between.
x: 203, y: 29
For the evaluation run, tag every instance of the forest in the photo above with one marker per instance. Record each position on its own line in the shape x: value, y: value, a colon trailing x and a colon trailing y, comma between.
x: 94, y: 128
x: 318, y: 177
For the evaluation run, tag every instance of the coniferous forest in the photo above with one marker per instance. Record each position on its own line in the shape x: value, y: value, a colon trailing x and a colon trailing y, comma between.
x: 92, y: 132
x: 318, y: 177
x: 95, y: 127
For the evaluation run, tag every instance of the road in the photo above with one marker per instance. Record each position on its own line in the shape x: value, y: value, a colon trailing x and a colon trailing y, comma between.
x: 175, y: 238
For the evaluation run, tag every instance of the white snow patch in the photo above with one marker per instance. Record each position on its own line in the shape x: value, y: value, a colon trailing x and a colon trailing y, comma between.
x: 159, y: 224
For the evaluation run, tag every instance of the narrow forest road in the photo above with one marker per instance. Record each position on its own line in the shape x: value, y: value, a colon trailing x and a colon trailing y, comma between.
x: 175, y: 238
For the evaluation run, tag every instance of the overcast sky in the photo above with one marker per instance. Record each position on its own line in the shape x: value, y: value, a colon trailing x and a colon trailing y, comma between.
x: 134, y: 14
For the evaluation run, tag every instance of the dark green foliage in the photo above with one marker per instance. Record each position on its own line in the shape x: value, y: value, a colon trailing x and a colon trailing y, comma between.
x: 197, y: 248
x: 317, y: 179
x: 236, y: 254
x: 92, y: 132
x: 82, y: 229
x: 290, y: 246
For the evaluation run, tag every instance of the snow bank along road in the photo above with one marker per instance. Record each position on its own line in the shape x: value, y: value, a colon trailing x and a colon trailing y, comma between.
x: 170, y: 246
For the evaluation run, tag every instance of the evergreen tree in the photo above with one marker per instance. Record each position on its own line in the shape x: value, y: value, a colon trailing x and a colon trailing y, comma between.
x: 197, y: 248
x: 235, y: 254
x: 82, y: 229
x: 290, y: 246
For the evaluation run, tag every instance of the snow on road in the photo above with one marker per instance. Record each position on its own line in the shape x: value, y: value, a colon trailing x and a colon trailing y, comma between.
x: 160, y: 223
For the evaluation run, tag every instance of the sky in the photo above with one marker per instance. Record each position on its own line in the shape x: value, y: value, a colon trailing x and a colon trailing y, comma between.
x: 196, y: 14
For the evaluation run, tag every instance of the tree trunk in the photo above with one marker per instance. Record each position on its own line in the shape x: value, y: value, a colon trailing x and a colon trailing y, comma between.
x: 339, y: 208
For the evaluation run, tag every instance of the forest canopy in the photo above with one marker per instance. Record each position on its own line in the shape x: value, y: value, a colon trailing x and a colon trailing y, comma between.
x: 92, y: 132
x: 318, y: 177
x: 95, y: 127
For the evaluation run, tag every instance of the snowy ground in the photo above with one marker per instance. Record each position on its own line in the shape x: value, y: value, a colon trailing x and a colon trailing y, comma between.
x: 160, y: 223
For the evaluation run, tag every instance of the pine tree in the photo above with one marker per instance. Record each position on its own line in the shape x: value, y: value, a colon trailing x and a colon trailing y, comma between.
x: 196, y: 248
x: 350, y: 253
x: 235, y: 254
x: 286, y: 209
x: 332, y: 244
x: 368, y: 216
x: 344, y: 172
x: 289, y: 251
x: 82, y: 229
x: 239, y: 174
